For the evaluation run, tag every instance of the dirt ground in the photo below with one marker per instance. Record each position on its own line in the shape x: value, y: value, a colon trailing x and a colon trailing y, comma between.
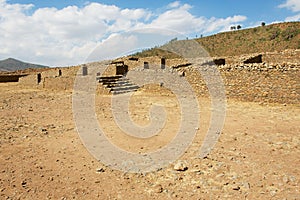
x: 42, y: 157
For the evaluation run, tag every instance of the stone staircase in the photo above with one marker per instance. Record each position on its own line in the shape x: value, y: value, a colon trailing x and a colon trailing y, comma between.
x: 117, y: 84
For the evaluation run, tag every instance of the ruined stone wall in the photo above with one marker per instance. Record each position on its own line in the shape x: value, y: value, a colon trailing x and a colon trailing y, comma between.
x: 9, y: 78
x: 58, y: 83
x: 53, y: 78
x: 154, y: 63
x: 286, y: 56
x: 269, y: 82
x: 258, y: 83
x: 249, y: 82
x: 29, y: 81
x: 273, y: 86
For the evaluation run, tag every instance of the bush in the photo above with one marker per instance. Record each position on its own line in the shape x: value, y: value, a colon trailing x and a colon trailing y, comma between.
x: 274, y: 35
x: 289, y: 33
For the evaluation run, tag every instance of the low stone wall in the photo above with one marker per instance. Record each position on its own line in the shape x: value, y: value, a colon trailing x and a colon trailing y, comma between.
x: 58, y: 83
x: 10, y: 78
x: 258, y: 83
x: 269, y: 82
x: 29, y: 81
x: 252, y: 82
x: 287, y: 56
x: 54, y: 79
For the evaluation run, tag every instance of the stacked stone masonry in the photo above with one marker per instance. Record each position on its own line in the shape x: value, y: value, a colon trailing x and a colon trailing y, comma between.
x: 274, y: 80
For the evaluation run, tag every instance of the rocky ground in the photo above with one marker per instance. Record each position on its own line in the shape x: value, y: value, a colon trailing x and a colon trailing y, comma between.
x: 42, y: 157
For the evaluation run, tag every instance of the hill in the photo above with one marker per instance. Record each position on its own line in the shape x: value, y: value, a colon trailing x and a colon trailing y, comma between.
x: 12, y: 64
x: 270, y: 38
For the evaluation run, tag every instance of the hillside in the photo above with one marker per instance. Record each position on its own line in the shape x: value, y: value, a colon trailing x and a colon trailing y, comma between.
x: 11, y: 64
x: 270, y: 38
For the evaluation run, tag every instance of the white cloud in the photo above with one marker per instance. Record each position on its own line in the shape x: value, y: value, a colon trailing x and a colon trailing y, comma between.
x: 293, y: 18
x: 114, y: 46
x: 174, y: 4
x: 293, y: 5
x: 182, y: 21
x: 224, y: 24
x: 60, y: 37
x: 67, y: 36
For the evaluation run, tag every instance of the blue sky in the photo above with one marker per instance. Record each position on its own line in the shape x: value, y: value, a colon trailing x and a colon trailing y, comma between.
x: 61, y: 33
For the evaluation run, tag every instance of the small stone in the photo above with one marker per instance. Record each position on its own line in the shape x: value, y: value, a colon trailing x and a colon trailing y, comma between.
x: 236, y: 188
x: 100, y: 170
x: 292, y: 178
x: 44, y: 131
x: 285, y: 179
x: 273, y: 193
x: 220, y: 175
x: 246, y: 185
x: 158, y: 189
x: 180, y: 166
x: 23, y: 183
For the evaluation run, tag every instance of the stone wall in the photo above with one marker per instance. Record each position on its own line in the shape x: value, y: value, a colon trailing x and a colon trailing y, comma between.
x: 258, y: 83
x: 286, y: 56
x: 30, y: 81
x: 154, y: 63
x: 268, y: 82
x: 53, y: 78
x: 10, y: 77
x: 248, y: 82
x: 58, y: 83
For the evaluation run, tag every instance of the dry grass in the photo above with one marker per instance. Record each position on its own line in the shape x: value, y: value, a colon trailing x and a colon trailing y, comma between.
x: 275, y: 37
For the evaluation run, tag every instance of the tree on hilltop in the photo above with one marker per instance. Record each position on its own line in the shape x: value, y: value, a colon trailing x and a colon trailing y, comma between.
x: 232, y: 28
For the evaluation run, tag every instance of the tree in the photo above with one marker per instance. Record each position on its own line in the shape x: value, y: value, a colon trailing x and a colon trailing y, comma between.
x: 238, y: 27
x: 263, y: 24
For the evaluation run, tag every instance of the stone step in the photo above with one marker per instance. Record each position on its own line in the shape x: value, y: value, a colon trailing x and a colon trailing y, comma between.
x: 132, y: 87
x: 123, y: 91
x: 108, y: 79
x: 123, y: 84
x: 117, y: 84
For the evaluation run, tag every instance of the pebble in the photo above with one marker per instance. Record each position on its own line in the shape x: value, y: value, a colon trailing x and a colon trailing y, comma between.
x: 273, y: 193
x: 180, y: 166
x: 158, y: 189
x: 100, y: 170
x: 23, y: 183
x: 285, y: 179
x: 220, y: 175
x: 246, y: 185
x: 236, y: 188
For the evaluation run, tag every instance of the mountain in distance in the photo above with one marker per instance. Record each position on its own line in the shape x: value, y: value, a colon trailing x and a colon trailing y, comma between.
x: 11, y: 64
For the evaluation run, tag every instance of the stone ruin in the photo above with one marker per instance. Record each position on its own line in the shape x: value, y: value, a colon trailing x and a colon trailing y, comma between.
x: 11, y: 77
x: 53, y: 78
x: 254, y: 59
